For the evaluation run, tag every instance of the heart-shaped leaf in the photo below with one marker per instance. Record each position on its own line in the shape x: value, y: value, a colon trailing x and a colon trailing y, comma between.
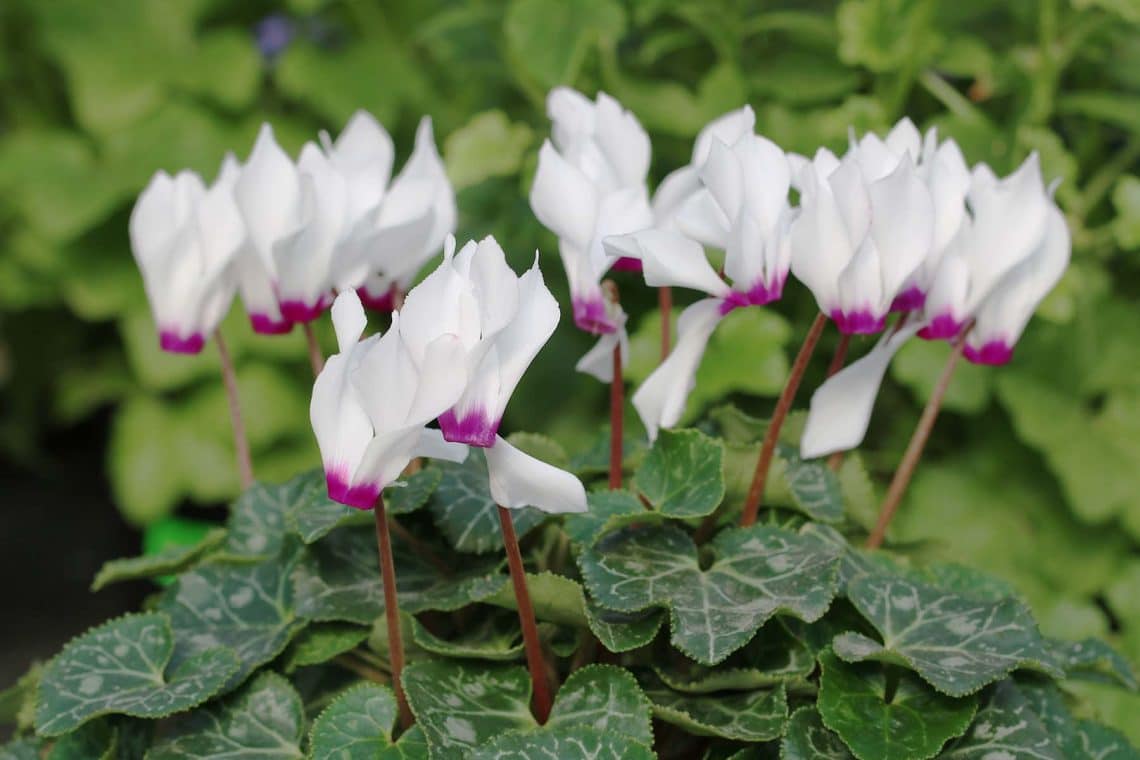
x: 752, y: 716
x: 245, y: 607
x: 756, y: 573
x: 357, y: 725
x: 265, y: 719
x: 466, y: 514
x: 555, y: 598
x: 682, y: 474
x: 1072, y: 736
x: 338, y: 578
x: 121, y: 667
x: 957, y: 644
x: 95, y: 739
x: 814, y: 487
x: 886, y: 713
x: 257, y: 524
x: 461, y: 707
x: 495, y: 638
x: 808, y: 739
x: 1093, y: 660
x: 564, y: 743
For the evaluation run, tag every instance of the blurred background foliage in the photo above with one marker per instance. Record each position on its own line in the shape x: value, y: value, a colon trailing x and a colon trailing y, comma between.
x: 1034, y: 470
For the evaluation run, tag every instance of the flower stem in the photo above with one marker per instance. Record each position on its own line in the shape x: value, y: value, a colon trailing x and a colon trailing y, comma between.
x: 665, y: 304
x: 241, y: 443
x: 391, y: 609
x: 783, y: 406
x: 617, y: 404
x: 534, y: 659
x: 316, y: 358
x: 914, y: 449
x: 837, y: 361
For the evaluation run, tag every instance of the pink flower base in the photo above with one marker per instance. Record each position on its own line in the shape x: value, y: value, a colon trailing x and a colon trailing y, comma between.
x: 474, y: 428
x: 861, y: 322
x: 993, y: 352
x: 942, y: 327
x: 590, y: 315
x: 299, y: 311
x: 362, y: 496
x: 263, y: 324
x: 627, y: 264
x: 910, y: 299
x: 759, y: 294
x: 171, y: 341
x: 385, y: 302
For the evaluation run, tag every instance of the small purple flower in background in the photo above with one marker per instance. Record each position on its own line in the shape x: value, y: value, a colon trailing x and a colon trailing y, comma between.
x: 273, y: 34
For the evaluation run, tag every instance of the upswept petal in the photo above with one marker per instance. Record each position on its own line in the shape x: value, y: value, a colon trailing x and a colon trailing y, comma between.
x: 432, y: 444
x: 571, y: 114
x: 700, y: 217
x: 669, y: 259
x: 598, y: 362
x: 563, y: 198
x: 348, y: 320
x: 443, y: 303
x: 677, y: 187
x: 767, y: 176
x: 841, y: 408
x: 268, y: 192
x: 660, y: 401
x: 623, y: 140
x: 902, y: 226
x: 493, y: 283
x: 819, y: 242
x: 519, y: 480
x: 723, y: 175
x: 1004, y: 314
x: 728, y: 128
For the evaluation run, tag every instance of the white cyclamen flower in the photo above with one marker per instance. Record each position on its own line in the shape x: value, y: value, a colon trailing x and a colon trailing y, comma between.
x: 747, y: 214
x: 392, y: 229
x: 856, y: 242
x: 268, y: 193
x: 372, y: 401
x: 996, y: 273
x: 501, y: 320
x: 590, y: 184
x: 185, y: 238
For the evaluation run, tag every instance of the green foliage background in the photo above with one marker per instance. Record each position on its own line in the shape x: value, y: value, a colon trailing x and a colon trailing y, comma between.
x: 1034, y: 471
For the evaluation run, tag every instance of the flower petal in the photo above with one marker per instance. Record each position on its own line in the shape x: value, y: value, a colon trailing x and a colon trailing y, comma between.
x: 660, y: 400
x: 519, y: 480
x: 728, y: 128
x: 669, y: 259
x: 841, y: 408
x: 598, y: 362
x: 902, y: 226
x: 268, y: 192
x: 563, y: 198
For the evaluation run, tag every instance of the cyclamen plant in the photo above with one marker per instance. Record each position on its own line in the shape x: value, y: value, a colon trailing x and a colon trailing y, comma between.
x: 307, y: 627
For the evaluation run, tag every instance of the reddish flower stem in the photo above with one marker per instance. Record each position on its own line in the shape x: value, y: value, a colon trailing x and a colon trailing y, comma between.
x: 534, y: 659
x: 914, y: 449
x: 837, y: 362
x: 316, y: 357
x: 241, y: 442
x: 391, y: 610
x: 665, y: 304
x: 783, y: 406
x: 617, y: 405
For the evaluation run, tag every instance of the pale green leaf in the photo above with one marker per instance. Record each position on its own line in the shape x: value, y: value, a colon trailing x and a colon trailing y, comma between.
x: 555, y: 598
x: 357, y: 725
x: 1007, y: 727
x: 321, y: 642
x: 623, y: 631
x: 752, y: 716
x: 548, y: 40
x: 585, y: 527
x: 172, y: 559
x: 682, y: 475
x: 488, y: 145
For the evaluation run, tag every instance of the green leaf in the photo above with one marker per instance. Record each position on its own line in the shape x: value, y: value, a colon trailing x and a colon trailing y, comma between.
x: 888, y: 714
x: 1094, y: 660
x: 754, y: 716
x: 623, y: 631
x: 814, y: 487
x: 94, y: 740
x: 808, y: 739
x: 1006, y: 727
x: 357, y: 725
x: 466, y: 514
x: 1126, y: 200
x: 1113, y: 108
x: 338, y: 578
x: 1072, y: 737
x: 246, y: 608
x: 756, y: 572
x: 564, y: 743
x: 257, y: 524
x: 312, y: 514
x: 121, y: 667
x: 265, y: 719
x: 488, y: 145
x: 548, y: 40
x: 21, y: 749
x: 585, y: 527
x: 173, y: 559
x: 957, y: 644
x: 305, y: 70
x: 555, y: 598
x: 495, y: 638
x: 887, y: 36
x: 228, y: 68
x: 18, y: 701
x: 322, y: 642
x: 461, y: 706
x: 682, y: 475
x: 605, y: 698
x: 596, y: 459
x: 776, y: 655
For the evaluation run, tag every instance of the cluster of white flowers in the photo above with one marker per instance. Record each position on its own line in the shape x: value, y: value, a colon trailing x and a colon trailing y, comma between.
x: 455, y: 352
x: 895, y: 224
x: 288, y: 234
